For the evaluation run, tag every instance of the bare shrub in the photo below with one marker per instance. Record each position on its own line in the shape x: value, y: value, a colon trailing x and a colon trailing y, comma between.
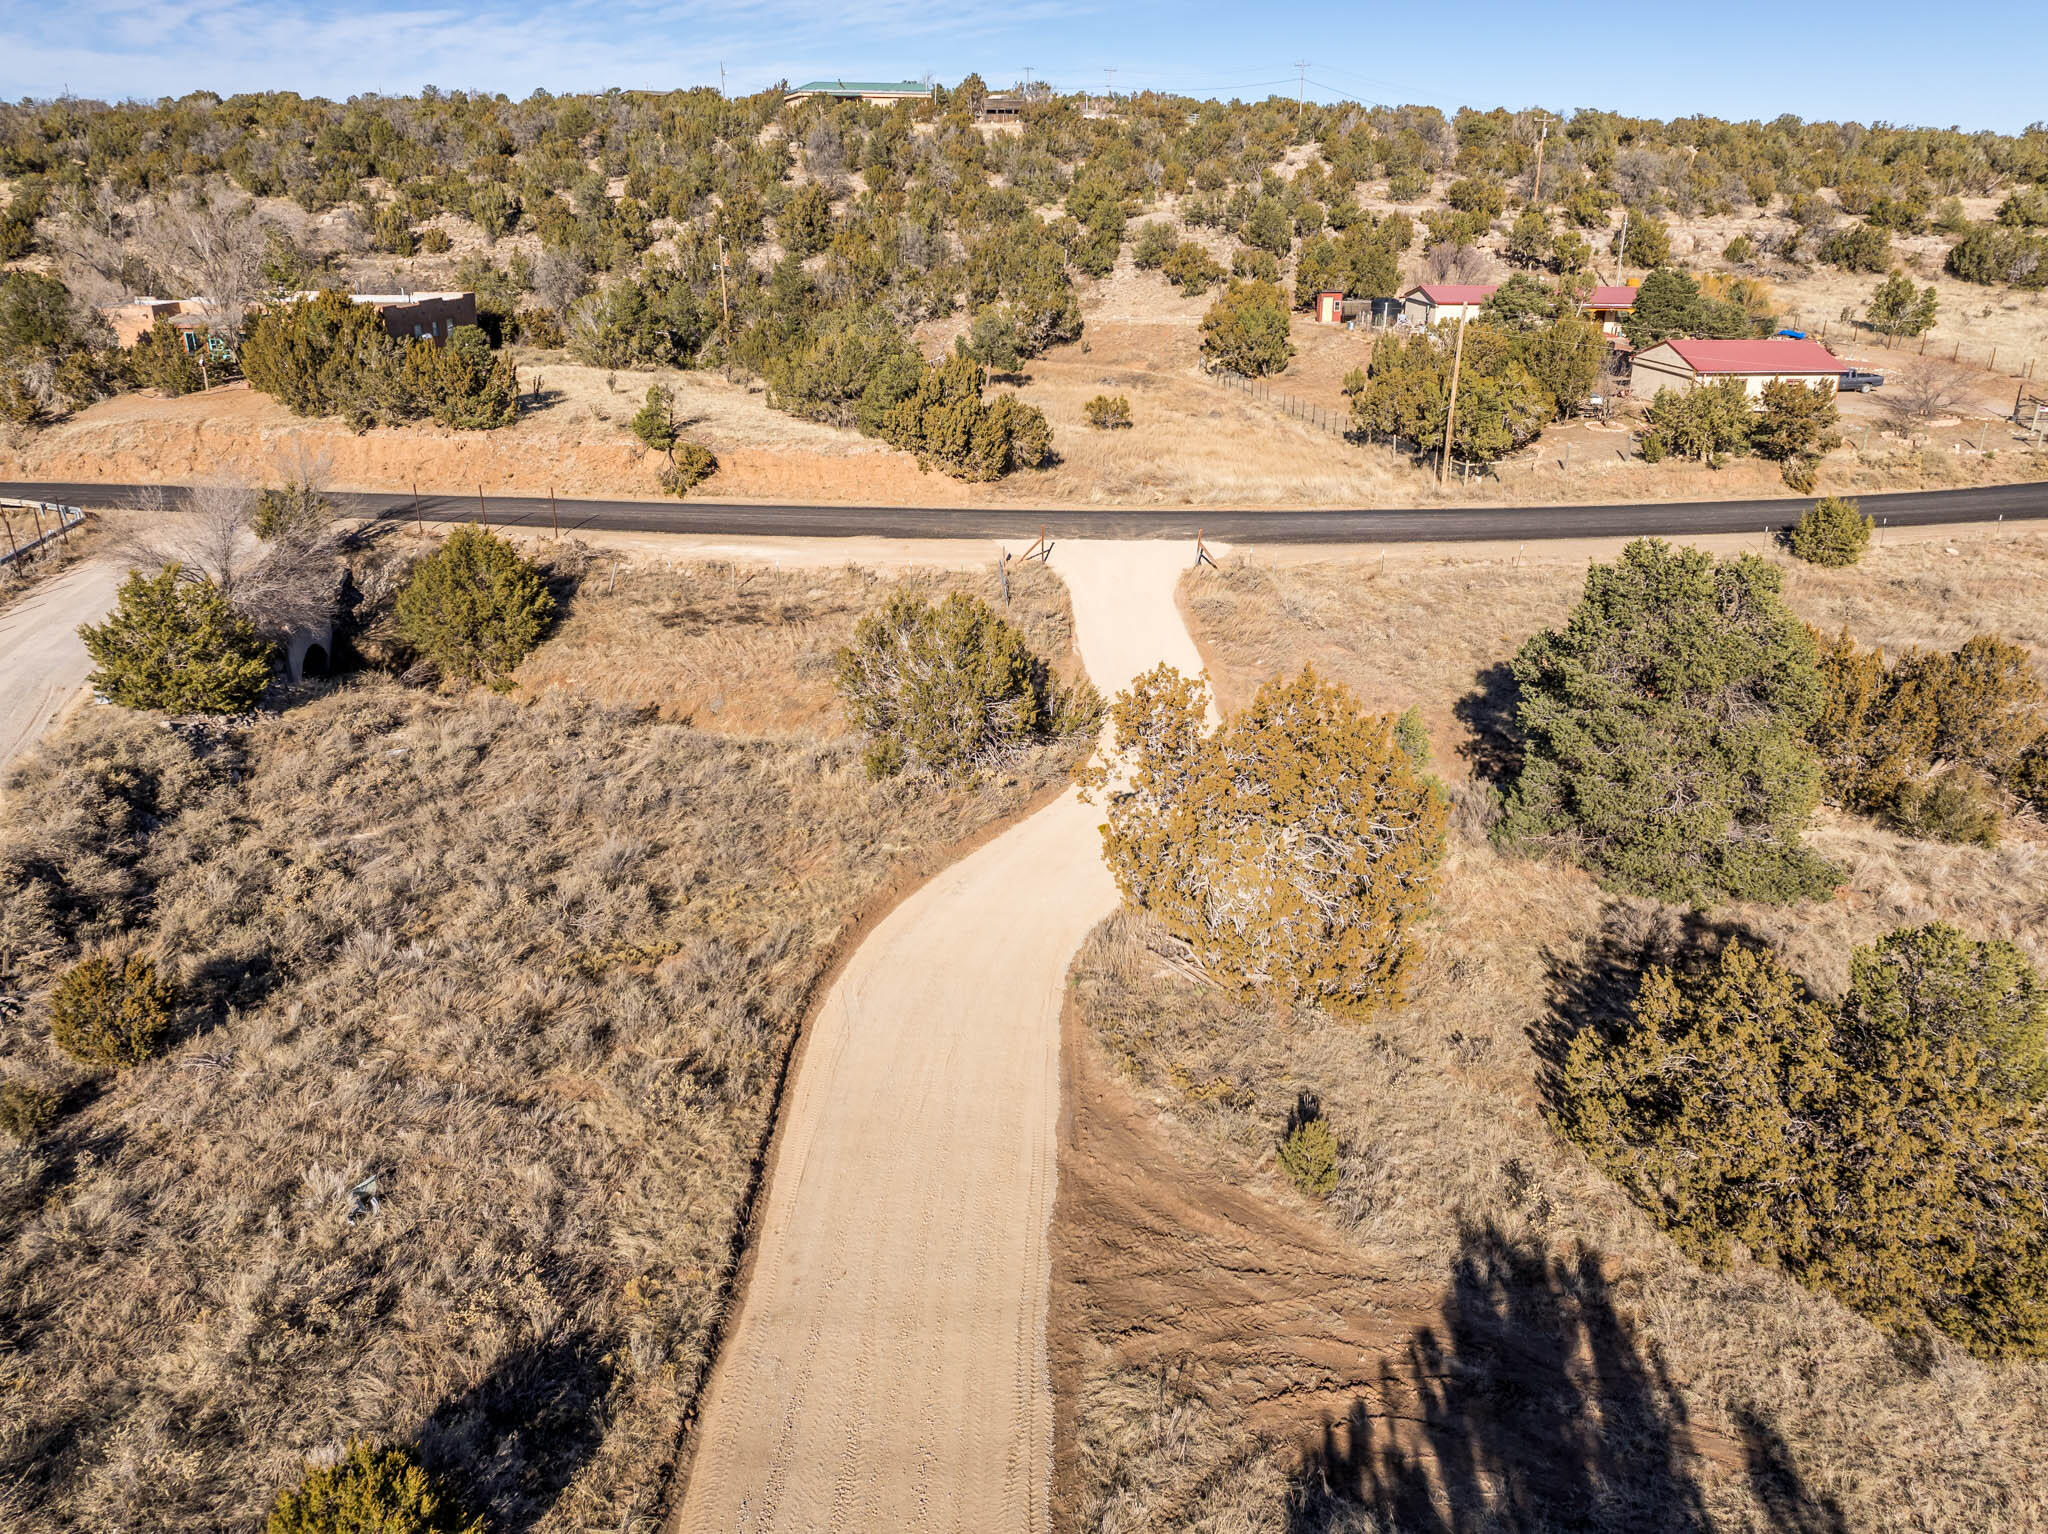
x: 1449, y: 262
x: 1922, y: 394
x: 282, y: 586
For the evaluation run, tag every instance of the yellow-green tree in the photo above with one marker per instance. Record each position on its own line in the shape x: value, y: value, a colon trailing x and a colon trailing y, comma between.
x: 1294, y: 849
x: 368, y: 1491
x: 1890, y: 1148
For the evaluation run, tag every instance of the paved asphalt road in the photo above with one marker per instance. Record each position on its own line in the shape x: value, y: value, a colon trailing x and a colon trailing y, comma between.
x: 1907, y: 509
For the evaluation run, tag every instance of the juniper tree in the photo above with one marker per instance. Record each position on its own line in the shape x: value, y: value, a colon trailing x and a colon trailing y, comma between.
x: 1891, y: 1149
x: 951, y: 688
x: 1246, y: 330
x: 1664, y: 731
x: 474, y: 607
x: 112, y: 1014
x: 176, y: 644
x: 1294, y: 849
x: 1831, y: 532
x: 368, y: 1491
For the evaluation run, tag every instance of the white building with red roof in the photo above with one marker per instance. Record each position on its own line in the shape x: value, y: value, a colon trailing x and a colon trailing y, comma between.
x: 1435, y: 302
x: 1684, y: 364
x: 1607, y: 307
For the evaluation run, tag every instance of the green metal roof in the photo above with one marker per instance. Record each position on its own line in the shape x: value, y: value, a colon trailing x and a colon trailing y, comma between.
x: 857, y: 87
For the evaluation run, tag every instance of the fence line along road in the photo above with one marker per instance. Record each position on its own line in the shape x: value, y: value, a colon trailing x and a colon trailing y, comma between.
x: 48, y: 519
x: 1914, y: 508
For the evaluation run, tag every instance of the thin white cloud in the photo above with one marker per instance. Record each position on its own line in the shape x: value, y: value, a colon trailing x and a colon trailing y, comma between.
x: 125, y: 48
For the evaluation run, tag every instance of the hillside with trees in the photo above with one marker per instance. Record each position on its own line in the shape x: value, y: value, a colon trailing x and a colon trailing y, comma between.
x: 832, y: 252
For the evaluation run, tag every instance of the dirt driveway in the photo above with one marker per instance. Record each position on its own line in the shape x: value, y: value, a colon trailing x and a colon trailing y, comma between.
x: 42, y: 660
x: 888, y: 1367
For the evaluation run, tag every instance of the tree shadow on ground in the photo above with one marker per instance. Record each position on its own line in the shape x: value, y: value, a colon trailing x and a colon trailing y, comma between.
x: 1488, y: 711
x: 1534, y: 1408
x: 513, y: 1442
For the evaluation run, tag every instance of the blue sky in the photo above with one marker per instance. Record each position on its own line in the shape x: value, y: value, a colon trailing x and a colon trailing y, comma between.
x: 1880, y: 60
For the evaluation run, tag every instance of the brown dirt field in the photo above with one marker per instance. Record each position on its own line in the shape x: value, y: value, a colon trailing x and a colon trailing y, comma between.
x: 1452, y: 1185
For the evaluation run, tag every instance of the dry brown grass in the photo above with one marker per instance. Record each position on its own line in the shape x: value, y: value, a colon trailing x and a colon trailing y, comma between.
x: 534, y: 966
x: 742, y: 649
x: 1448, y: 1162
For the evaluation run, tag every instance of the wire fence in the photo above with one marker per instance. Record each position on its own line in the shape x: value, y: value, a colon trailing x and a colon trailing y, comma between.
x: 1845, y: 327
x: 1338, y: 424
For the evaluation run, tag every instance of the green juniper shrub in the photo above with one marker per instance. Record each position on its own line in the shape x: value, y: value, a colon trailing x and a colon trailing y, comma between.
x: 1927, y: 743
x: 112, y: 1014
x: 176, y: 644
x: 1888, y: 1148
x: 368, y: 1491
x: 1858, y: 248
x: 1952, y: 805
x: 952, y: 688
x: 461, y: 383
x: 161, y: 361
x: 689, y: 465
x: 1412, y: 736
x: 1194, y: 271
x: 1832, y: 532
x: 1308, y: 1155
x: 1106, y: 412
x: 1246, y: 330
x: 1664, y: 732
x: 474, y: 607
x: 26, y: 1110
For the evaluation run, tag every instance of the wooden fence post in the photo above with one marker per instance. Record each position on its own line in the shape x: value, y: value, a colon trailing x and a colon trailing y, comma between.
x: 14, y: 549
x: 552, y: 522
x: 480, y: 511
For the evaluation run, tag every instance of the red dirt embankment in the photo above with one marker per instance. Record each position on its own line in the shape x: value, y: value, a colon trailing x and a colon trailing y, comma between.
x: 577, y: 445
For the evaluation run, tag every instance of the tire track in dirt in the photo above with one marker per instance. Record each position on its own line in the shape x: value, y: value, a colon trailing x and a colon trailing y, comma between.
x: 1405, y: 1394
x: 888, y: 1366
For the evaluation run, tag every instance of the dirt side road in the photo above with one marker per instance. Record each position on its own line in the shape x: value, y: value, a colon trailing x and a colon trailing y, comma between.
x: 42, y: 660
x: 887, y: 1370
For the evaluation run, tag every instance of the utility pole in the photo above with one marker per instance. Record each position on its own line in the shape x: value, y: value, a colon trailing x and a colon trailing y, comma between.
x: 1536, y: 194
x: 1451, y: 415
x: 1109, y: 74
x: 1621, y: 248
x: 721, y: 80
x: 725, y: 304
x: 1300, y: 88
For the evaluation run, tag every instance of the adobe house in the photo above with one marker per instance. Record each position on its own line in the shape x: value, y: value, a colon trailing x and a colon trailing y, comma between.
x: 1685, y: 365
x: 408, y: 316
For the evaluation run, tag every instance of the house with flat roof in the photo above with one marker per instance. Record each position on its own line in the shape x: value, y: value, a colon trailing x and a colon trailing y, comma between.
x: 887, y: 92
x: 1685, y: 364
x: 408, y: 316
x: 1435, y: 302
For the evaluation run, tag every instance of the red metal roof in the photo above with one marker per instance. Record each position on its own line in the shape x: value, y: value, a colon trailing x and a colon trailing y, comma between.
x: 1777, y: 355
x: 1611, y: 298
x: 1455, y: 292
